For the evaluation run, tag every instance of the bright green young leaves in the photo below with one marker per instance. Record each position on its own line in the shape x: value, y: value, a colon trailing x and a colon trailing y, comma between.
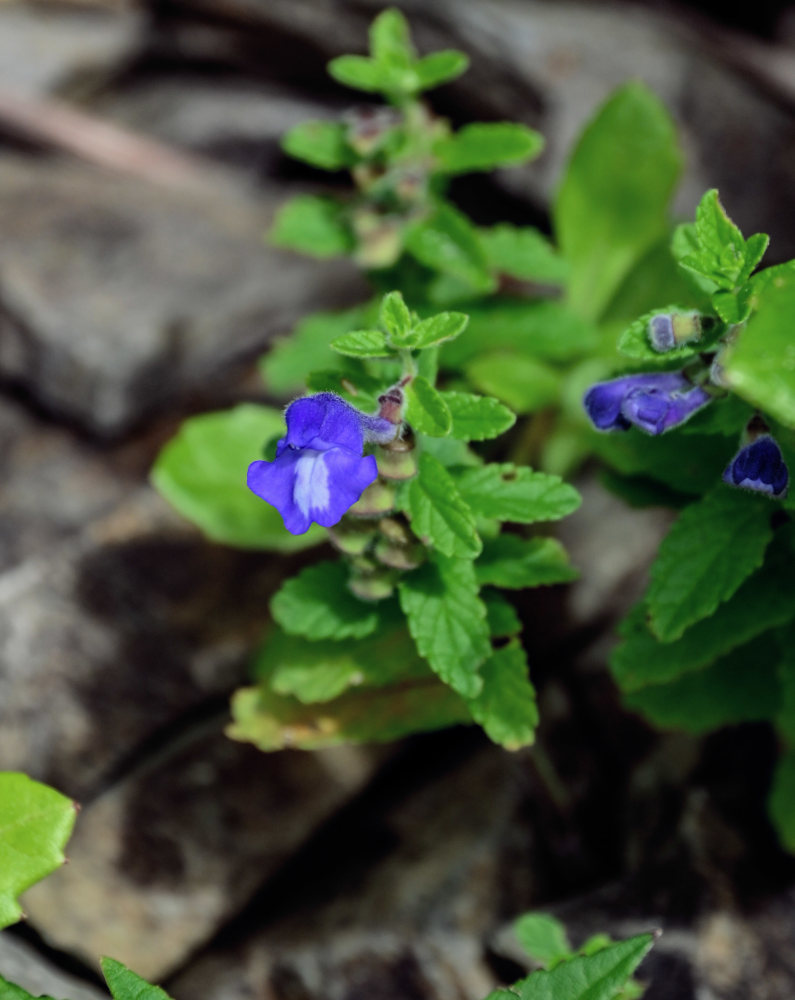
x: 484, y: 146
x: 35, y: 824
x: 321, y: 143
x: 438, y: 513
x: 313, y: 225
x: 543, y: 938
x: 318, y: 605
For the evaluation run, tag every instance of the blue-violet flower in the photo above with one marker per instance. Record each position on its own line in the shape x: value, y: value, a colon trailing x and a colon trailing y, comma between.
x: 319, y: 471
x: 654, y: 402
x: 759, y: 466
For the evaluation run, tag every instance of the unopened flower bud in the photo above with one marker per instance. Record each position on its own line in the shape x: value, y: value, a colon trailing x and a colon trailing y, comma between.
x: 378, y: 499
x: 373, y: 587
x: 759, y: 466
x: 670, y: 330
x: 399, y: 556
x: 352, y: 538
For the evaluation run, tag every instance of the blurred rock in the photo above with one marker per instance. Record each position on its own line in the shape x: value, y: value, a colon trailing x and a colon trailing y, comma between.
x: 117, y: 297
x: 167, y: 855
x: 26, y: 967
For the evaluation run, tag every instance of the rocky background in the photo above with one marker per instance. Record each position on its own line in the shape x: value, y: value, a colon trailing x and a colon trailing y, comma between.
x: 139, y: 167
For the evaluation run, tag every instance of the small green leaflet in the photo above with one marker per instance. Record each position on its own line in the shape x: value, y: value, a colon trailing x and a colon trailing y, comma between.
x: 317, y: 604
x: 501, y: 614
x: 515, y: 563
x: 587, y: 977
x: 712, y: 548
x: 523, y: 252
x: 438, y: 329
x: 525, y: 384
x: 362, y: 344
x: 390, y: 39
x: 35, y: 824
x: 506, y: 705
x: 321, y: 143
x: 543, y: 938
x: 447, y: 242
x: 447, y: 621
x: 202, y: 473
x: 440, y: 67
x: 516, y: 493
x: 312, y: 225
x: 760, y: 365
x: 721, y: 254
x: 426, y: 410
x: 10, y: 991
x: 360, y: 73
x: 781, y: 802
x: 361, y: 715
x: 739, y: 687
x: 437, y: 512
x: 484, y: 146
x: 126, y: 985
x: 613, y: 203
x: 476, y: 418
x: 396, y: 319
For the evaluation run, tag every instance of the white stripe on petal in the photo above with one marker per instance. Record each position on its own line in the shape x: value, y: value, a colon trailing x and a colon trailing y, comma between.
x: 311, y: 482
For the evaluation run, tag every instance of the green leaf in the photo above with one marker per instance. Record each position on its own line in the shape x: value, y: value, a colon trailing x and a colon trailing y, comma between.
x: 727, y: 416
x: 126, y: 985
x: 781, y: 802
x: 719, y: 253
x: 477, y: 418
x: 426, y: 410
x: 396, y: 319
x: 612, y: 205
x: 760, y: 365
x: 506, y: 705
x: 516, y: 493
x: 543, y: 938
x: 440, y: 67
x: 586, y: 977
x: 317, y: 604
x: 764, y: 601
x: 447, y: 242
x: 785, y: 710
x: 635, y: 341
x: 360, y: 73
x: 202, y: 473
x: 447, y: 621
x: 523, y: 252
x: 438, y: 514
x: 312, y: 225
x: 486, y: 145
x: 390, y: 40
x: 541, y: 329
x: 739, y: 687
x: 10, y: 991
x: 362, y: 344
x: 321, y: 143
x: 438, y: 329
x: 35, y: 824
x: 501, y: 614
x: 515, y: 563
x: 525, y: 384
x: 371, y: 715
x: 712, y: 548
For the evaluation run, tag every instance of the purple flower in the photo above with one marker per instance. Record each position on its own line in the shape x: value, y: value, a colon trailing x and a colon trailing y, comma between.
x: 319, y: 471
x: 654, y: 402
x: 759, y: 466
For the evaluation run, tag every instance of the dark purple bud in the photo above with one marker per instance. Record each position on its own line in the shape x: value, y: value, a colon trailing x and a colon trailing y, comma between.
x: 759, y: 466
x: 653, y: 401
x: 670, y: 330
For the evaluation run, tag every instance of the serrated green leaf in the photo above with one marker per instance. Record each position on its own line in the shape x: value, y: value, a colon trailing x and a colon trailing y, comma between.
x: 727, y: 416
x: 426, y: 410
x: 202, y: 473
x: 515, y: 563
x: 486, y: 145
x: 781, y: 802
x: 370, y: 715
x: 506, y: 705
x: 586, y: 977
x: 312, y: 225
x: 755, y: 247
x: 440, y: 67
x: 516, y: 493
x: 447, y: 242
x: 438, y: 329
x: 612, y: 205
x: 35, y: 824
x: 712, y: 548
x: 477, y: 418
x: 635, y: 341
x: 763, y: 602
x: 523, y: 252
x: 396, y: 319
x: 359, y: 73
x: 10, y: 991
x: 362, y: 344
x: 525, y: 384
x: 501, y: 616
x: 718, y: 251
x: 317, y: 604
x: 542, y: 329
x: 390, y: 39
x: 321, y: 143
x: 543, y: 938
x: 739, y: 687
x: 437, y: 512
x: 126, y: 985
x: 760, y: 364
x: 447, y: 620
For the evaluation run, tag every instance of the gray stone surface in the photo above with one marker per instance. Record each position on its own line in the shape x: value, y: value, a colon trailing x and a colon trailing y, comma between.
x: 23, y: 965
x: 118, y: 297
